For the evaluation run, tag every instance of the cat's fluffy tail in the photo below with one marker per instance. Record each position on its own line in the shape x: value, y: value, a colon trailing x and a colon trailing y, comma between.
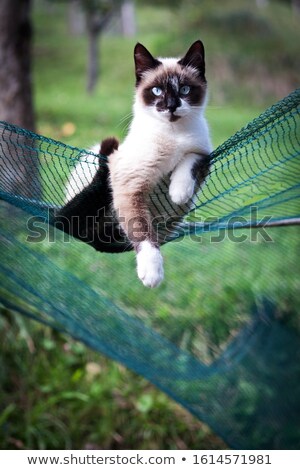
x: 108, y: 146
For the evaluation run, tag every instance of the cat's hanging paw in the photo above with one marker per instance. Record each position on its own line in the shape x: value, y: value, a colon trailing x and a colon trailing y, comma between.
x: 149, y: 264
x: 181, y: 190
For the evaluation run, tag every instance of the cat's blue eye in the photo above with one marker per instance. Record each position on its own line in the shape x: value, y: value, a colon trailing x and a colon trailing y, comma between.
x: 156, y: 91
x: 185, y: 89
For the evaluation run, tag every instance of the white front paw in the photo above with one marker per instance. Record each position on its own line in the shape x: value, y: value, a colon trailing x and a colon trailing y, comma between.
x: 181, y: 190
x: 150, y: 265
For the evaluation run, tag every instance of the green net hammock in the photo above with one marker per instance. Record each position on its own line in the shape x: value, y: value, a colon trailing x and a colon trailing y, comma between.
x: 221, y: 335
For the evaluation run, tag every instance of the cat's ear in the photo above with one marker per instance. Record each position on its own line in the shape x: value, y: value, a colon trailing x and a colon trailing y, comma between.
x: 195, y: 58
x: 143, y: 61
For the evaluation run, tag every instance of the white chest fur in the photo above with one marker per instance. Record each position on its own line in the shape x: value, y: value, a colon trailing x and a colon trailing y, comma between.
x: 154, y: 146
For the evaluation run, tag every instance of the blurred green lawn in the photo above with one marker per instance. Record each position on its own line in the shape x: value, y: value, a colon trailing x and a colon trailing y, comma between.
x: 56, y: 393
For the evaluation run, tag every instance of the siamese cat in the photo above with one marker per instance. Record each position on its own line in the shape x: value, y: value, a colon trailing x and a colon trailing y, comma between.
x: 168, y: 140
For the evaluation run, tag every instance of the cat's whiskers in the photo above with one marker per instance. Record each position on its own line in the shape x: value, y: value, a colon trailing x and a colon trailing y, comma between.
x: 125, y: 122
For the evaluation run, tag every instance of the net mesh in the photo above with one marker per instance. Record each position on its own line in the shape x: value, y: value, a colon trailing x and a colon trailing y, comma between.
x: 221, y: 334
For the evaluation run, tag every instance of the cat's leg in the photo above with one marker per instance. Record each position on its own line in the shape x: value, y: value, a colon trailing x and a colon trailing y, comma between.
x: 187, y: 177
x: 149, y: 260
x: 135, y: 220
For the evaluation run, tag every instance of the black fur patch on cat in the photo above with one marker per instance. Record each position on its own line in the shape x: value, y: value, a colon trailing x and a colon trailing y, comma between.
x: 195, y: 57
x: 143, y: 61
x: 89, y: 215
x: 201, y: 169
x: 108, y: 146
x: 170, y: 85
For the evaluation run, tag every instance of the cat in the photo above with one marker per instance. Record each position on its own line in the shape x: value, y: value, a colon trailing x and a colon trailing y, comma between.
x: 168, y: 140
x: 168, y: 136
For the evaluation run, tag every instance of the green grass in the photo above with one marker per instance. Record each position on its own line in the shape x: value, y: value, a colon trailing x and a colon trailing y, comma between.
x: 55, y: 392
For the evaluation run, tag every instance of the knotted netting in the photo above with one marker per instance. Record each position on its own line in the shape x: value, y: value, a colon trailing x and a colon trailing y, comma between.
x: 221, y: 335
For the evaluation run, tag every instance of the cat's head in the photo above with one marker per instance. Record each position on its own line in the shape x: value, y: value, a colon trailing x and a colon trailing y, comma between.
x: 170, y: 89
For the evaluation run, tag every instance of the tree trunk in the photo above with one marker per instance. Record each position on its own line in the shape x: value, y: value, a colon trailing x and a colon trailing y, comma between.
x: 262, y: 3
x: 96, y: 21
x: 128, y: 18
x: 93, y: 60
x: 16, y: 104
x: 296, y: 6
x: 75, y: 18
x: 20, y: 166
